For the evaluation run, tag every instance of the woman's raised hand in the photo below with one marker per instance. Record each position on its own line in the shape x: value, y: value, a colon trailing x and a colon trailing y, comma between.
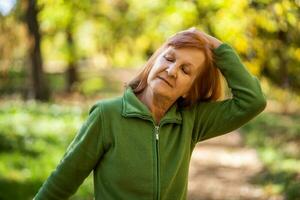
x: 210, y: 39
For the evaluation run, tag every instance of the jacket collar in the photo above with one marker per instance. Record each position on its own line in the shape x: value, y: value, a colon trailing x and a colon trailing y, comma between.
x: 133, y: 107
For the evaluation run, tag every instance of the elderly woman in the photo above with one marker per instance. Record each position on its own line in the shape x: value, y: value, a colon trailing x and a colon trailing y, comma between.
x: 139, y: 145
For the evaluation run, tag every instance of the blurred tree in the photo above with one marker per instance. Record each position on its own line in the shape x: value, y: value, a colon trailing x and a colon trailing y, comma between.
x: 72, y: 74
x: 13, y: 45
x: 58, y: 20
x: 6, y: 48
x: 125, y: 33
x: 39, y: 85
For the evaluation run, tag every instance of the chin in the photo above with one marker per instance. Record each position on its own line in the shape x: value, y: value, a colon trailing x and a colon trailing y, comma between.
x: 162, y: 91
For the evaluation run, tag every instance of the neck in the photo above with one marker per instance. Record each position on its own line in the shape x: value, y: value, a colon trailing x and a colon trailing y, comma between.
x: 157, y: 104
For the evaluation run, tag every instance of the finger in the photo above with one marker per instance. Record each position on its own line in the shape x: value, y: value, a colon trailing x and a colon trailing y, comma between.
x: 192, y: 29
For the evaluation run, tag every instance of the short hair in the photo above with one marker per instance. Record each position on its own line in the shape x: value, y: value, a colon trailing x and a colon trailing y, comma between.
x: 208, y: 84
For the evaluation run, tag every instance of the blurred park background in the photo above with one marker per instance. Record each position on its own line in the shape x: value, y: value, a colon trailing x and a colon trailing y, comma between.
x: 58, y: 57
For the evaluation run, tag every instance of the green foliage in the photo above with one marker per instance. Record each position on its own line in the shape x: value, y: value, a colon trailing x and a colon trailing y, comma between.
x: 91, y: 86
x: 125, y: 33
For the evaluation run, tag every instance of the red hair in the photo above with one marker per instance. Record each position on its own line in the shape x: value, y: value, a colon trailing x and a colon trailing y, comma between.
x: 208, y: 84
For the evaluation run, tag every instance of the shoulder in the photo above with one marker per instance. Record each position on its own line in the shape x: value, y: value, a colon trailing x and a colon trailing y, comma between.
x: 107, y: 105
x: 197, y: 108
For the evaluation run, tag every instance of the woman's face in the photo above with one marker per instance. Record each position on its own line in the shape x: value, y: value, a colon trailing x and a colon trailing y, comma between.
x: 174, y: 72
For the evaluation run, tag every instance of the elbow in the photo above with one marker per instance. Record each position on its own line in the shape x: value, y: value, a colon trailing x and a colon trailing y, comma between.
x: 260, y: 103
x: 256, y: 104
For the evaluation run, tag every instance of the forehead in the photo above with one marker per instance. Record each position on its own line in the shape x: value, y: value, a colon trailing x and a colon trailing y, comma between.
x: 190, y: 55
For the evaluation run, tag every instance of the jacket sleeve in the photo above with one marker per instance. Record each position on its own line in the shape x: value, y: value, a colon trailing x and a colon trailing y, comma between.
x: 219, y: 117
x: 78, y: 161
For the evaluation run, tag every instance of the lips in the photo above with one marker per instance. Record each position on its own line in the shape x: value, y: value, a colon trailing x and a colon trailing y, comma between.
x: 161, y: 78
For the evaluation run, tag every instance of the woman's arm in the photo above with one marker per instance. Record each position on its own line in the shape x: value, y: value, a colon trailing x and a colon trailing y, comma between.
x: 217, y: 118
x: 79, y: 160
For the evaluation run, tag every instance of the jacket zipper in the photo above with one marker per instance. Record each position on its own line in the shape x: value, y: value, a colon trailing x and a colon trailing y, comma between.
x: 157, y: 162
x: 156, y: 127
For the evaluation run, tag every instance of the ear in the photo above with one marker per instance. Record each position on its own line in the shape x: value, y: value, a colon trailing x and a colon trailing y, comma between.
x: 184, y: 96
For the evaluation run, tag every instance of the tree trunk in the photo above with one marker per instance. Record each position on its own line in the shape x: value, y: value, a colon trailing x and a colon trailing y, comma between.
x: 72, y: 75
x: 283, y: 65
x: 38, y: 85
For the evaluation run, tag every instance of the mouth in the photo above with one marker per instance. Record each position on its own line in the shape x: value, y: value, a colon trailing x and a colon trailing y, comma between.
x: 164, y: 80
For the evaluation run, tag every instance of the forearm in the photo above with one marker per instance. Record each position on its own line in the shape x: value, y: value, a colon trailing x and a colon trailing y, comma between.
x: 215, y: 118
x: 245, y: 87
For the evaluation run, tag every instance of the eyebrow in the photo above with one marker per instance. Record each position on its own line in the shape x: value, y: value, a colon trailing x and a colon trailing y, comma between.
x: 174, y: 54
x: 171, y: 52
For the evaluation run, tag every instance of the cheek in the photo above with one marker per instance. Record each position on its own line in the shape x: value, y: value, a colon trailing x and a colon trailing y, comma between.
x: 151, y: 75
x: 157, y: 67
x: 187, y: 84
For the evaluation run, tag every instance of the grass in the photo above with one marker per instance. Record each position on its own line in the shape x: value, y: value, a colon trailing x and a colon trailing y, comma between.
x: 33, y: 138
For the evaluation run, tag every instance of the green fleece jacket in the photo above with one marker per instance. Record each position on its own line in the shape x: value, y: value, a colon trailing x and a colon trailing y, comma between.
x: 132, y: 158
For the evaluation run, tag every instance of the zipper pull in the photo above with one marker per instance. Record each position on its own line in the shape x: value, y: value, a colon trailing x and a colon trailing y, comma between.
x: 156, y: 132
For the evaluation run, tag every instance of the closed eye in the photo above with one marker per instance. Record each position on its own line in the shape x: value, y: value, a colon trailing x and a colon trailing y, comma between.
x: 185, y: 69
x: 169, y: 59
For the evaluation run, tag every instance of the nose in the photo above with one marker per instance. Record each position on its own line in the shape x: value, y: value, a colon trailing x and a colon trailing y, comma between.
x: 172, y: 70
